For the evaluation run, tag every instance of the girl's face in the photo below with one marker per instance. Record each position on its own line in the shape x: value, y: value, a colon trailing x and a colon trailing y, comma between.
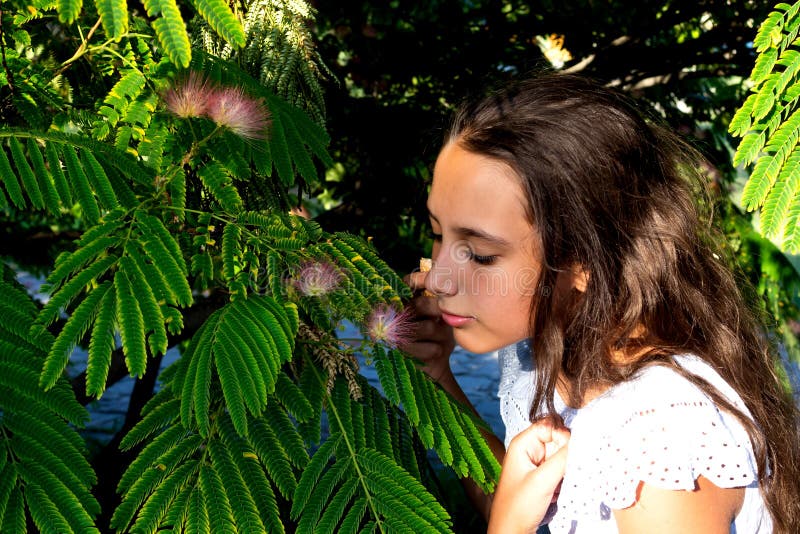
x: 485, y: 259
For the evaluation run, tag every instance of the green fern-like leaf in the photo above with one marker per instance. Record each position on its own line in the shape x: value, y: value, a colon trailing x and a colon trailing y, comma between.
x: 45, y: 179
x: 68, y: 10
x: 232, y: 383
x: 22, y: 377
x: 77, y: 325
x: 224, y: 343
x: 101, y: 345
x: 758, y: 185
x: 177, y: 459
x: 323, y: 491
x: 131, y: 325
x: 99, y: 180
x: 10, y: 181
x: 151, y: 311
x: 279, y: 148
x: 220, y: 514
x: 158, y: 504
x: 75, y: 286
x: 354, y: 516
x: 790, y: 60
x: 335, y: 510
x: 216, y: 179
x: 151, y: 149
x: 162, y: 289
x: 54, y: 165
x: 749, y: 147
x: 81, y: 186
x: 93, y: 244
x: 293, y: 399
x: 300, y: 155
x: 195, y: 392
x: 40, y: 447
x: 276, y: 319
x: 252, y: 472
x: 178, y: 512
x: 230, y: 249
x: 148, y: 458
x: 260, y: 377
x: 776, y: 204
x: 426, y: 427
x: 26, y: 173
x: 261, y: 353
x: 220, y: 17
x: 114, y: 15
x: 312, y: 473
x: 165, y: 412
x: 58, y: 498
x: 244, y: 507
x: 410, y: 501
x: 764, y: 65
x: 197, y: 520
x: 166, y: 257
x: 314, y: 135
x: 769, y: 33
x: 765, y: 99
x: 405, y: 388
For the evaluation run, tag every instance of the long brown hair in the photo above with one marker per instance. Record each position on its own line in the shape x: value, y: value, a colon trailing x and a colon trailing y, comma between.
x: 615, y: 194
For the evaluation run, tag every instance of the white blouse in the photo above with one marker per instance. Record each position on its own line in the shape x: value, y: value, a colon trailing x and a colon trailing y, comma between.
x: 658, y: 428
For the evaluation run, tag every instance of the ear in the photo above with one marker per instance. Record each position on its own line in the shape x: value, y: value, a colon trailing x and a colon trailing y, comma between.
x: 572, y: 278
x: 580, y: 278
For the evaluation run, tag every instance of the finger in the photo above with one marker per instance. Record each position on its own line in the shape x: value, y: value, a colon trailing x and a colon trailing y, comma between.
x: 542, y: 439
x: 432, y: 330
x: 416, y: 280
x: 424, y: 351
x: 426, y: 307
x: 550, y: 472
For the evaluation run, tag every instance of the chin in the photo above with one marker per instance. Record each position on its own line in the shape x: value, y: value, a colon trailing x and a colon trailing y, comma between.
x: 477, y: 346
x: 483, y: 346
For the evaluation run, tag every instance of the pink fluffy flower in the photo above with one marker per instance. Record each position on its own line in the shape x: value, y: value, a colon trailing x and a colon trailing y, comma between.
x: 386, y: 324
x: 243, y: 115
x: 189, y: 96
x: 317, y: 278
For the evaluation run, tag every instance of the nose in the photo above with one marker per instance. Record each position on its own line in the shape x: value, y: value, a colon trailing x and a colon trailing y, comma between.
x: 441, y: 279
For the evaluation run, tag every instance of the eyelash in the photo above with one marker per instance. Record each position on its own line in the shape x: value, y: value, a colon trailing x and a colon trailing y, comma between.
x: 480, y: 260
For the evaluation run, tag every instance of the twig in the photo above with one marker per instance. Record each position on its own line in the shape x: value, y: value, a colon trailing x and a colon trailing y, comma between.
x: 81, y: 49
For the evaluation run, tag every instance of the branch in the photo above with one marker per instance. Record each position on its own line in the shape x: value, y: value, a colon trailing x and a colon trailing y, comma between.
x: 82, y: 49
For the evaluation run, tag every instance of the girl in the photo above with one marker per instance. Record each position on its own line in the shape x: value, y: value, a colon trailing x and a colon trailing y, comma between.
x: 562, y: 216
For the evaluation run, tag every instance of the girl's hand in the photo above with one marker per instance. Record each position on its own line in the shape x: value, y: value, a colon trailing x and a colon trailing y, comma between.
x: 433, y: 340
x: 533, y: 468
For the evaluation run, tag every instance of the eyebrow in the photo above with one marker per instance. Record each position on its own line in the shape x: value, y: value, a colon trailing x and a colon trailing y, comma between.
x: 475, y: 233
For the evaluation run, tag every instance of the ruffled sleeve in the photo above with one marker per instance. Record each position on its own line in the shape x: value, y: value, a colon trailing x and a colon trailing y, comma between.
x: 659, y: 429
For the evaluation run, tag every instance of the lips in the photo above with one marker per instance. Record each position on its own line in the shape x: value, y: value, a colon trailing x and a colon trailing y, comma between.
x: 455, y: 320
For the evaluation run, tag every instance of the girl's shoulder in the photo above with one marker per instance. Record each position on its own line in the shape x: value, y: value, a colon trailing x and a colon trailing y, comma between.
x: 660, y: 391
x: 658, y: 428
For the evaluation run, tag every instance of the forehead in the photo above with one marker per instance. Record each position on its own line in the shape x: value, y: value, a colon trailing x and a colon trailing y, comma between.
x: 474, y: 191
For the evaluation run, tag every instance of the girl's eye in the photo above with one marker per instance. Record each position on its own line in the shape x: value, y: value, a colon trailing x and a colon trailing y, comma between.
x: 482, y: 260
x: 433, y: 235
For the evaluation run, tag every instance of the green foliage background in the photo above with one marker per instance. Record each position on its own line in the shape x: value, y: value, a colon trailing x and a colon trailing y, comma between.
x: 177, y: 233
